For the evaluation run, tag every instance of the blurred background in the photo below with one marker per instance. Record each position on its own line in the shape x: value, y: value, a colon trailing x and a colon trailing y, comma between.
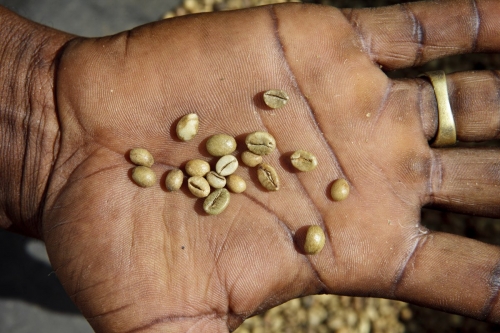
x: 31, y: 297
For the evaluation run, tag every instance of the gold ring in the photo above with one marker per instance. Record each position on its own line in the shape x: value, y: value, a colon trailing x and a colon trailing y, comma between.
x: 447, y: 132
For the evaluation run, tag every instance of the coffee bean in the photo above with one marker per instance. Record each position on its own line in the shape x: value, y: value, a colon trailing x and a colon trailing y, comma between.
x: 198, y: 186
x: 268, y: 177
x: 260, y: 143
x: 315, y: 240
x: 187, y: 127
x: 340, y: 189
x: 275, y: 98
x: 217, y: 201
x: 226, y: 165
x: 174, y: 180
x: 303, y: 160
x: 220, y: 145
x: 250, y: 159
x: 215, y: 180
x: 140, y: 156
x: 236, y: 184
x: 197, y: 167
x: 144, y: 176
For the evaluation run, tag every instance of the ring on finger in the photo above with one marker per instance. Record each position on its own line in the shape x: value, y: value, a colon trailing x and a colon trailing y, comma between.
x: 447, y: 132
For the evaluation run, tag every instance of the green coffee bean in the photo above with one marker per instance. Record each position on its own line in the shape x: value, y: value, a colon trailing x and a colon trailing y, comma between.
x: 236, y: 184
x: 187, y: 127
x: 260, y: 143
x: 144, y: 176
x: 340, y: 189
x: 174, y: 180
x: 198, y: 186
x: 226, y: 165
x: 250, y: 159
x: 275, y: 98
x: 217, y: 201
x: 197, y: 167
x: 268, y: 177
x: 303, y: 160
x: 140, y: 156
x: 220, y: 145
x: 315, y: 240
x: 215, y: 180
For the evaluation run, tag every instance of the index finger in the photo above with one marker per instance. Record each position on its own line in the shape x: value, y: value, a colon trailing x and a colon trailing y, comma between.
x: 411, y: 34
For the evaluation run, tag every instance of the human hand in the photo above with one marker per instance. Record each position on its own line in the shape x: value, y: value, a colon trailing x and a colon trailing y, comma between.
x: 144, y: 259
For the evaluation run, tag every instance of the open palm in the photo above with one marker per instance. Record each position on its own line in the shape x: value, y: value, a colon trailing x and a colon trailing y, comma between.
x: 146, y: 260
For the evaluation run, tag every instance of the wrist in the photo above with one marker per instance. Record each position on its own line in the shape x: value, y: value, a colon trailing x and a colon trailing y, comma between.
x: 29, y: 129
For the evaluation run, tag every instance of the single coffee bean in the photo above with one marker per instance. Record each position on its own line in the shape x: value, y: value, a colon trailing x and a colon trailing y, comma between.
x: 268, y: 177
x: 220, y: 145
x: 215, y: 180
x: 140, y: 156
x: 226, y: 165
x: 174, y: 180
x: 250, y: 159
x: 197, y: 167
x: 143, y: 176
x: 275, y: 98
x: 304, y: 160
x: 198, y: 186
x: 217, y: 201
x: 340, y: 189
x: 236, y: 184
x: 187, y: 127
x: 260, y: 143
x: 315, y: 240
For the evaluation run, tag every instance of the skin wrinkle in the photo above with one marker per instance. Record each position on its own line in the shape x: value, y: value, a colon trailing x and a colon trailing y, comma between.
x: 109, y: 312
x: 132, y: 241
x: 170, y: 319
x: 420, y: 240
x: 280, y: 222
x: 75, y: 294
x: 56, y: 146
x: 27, y: 133
x: 111, y: 167
x: 30, y: 86
x: 128, y: 35
x: 336, y: 162
x: 477, y: 25
x: 391, y: 187
x: 63, y: 187
x: 383, y: 104
x: 58, y: 225
x: 494, y: 283
x: 418, y: 33
x: 435, y: 177
x: 291, y: 235
x: 496, y: 78
x: 216, y: 257
x: 348, y: 14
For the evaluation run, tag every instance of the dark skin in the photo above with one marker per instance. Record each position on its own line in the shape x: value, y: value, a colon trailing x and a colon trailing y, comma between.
x: 147, y: 260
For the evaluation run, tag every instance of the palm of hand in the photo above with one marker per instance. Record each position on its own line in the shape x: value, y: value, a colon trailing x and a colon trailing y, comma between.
x: 135, y: 258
